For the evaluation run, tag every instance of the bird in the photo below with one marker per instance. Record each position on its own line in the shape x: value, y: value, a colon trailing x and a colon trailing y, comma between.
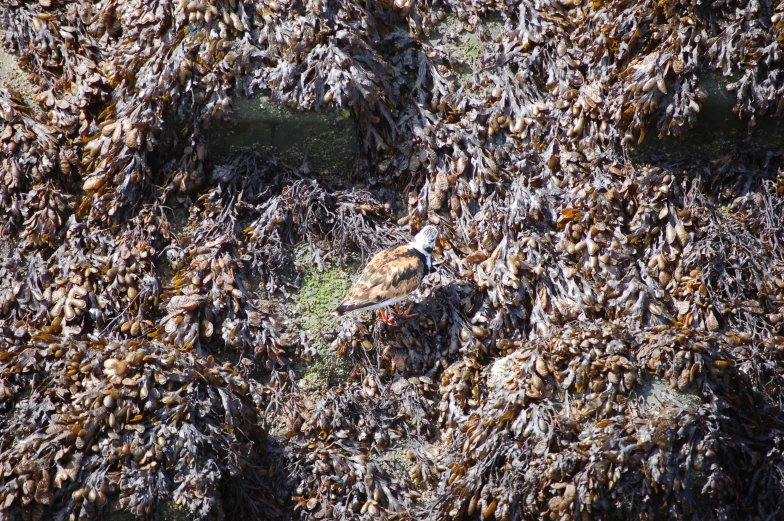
x: 390, y: 276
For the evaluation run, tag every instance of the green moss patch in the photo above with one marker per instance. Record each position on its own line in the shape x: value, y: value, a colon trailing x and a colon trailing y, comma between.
x: 320, y: 293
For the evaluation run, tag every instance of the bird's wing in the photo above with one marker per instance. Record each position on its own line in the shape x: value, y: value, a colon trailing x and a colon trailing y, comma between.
x: 390, y: 274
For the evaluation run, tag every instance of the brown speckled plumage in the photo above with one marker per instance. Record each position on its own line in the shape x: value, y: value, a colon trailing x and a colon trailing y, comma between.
x: 391, y: 275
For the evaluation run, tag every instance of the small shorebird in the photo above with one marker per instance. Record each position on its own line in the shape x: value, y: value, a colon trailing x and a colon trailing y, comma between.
x: 391, y: 275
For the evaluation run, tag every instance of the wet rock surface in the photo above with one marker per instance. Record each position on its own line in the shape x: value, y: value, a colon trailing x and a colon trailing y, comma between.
x: 17, y: 80
x: 319, y: 294
x: 326, y: 141
x: 602, y: 335
x: 718, y: 130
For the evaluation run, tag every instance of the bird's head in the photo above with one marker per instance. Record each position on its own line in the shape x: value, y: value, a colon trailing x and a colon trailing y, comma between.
x: 425, y: 240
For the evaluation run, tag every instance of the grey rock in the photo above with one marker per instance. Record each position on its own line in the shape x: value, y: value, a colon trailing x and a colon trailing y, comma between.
x: 328, y: 138
x: 717, y: 131
x: 17, y: 80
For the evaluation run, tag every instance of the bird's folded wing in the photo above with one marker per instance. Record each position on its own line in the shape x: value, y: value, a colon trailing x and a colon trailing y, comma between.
x: 389, y: 275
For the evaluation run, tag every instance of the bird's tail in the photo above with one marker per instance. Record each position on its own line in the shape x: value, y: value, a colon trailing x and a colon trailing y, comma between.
x: 339, y: 311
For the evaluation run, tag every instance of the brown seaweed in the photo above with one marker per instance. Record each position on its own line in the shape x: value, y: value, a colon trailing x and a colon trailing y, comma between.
x: 148, y: 355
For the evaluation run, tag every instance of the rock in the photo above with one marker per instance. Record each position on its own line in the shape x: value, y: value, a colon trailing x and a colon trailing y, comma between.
x: 165, y: 510
x: 717, y: 131
x: 499, y: 369
x: 657, y: 393
x: 16, y: 79
x: 466, y: 44
x: 329, y: 137
x: 320, y: 292
x: 399, y: 385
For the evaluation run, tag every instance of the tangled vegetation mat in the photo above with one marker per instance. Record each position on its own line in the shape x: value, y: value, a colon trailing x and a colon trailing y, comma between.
x: 602, y: 338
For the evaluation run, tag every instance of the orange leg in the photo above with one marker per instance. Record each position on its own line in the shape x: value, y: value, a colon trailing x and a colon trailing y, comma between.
x: 392, y: 321
x: 407, y: 313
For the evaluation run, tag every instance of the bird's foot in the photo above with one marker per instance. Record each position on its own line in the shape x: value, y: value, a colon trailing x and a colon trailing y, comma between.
x: 404, y: 314
x: 390, y: 320
x: 407, y: 313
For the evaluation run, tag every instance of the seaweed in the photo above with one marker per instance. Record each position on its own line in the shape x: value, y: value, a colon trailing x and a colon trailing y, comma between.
x: 149, y: 354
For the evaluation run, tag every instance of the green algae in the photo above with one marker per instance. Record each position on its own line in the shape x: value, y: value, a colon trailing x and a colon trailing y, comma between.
x: 467, y: 45
x: 320, y: 292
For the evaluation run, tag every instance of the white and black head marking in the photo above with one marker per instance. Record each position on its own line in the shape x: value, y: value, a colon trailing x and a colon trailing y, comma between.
x: 392, y: 274
x: 425, y: 243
